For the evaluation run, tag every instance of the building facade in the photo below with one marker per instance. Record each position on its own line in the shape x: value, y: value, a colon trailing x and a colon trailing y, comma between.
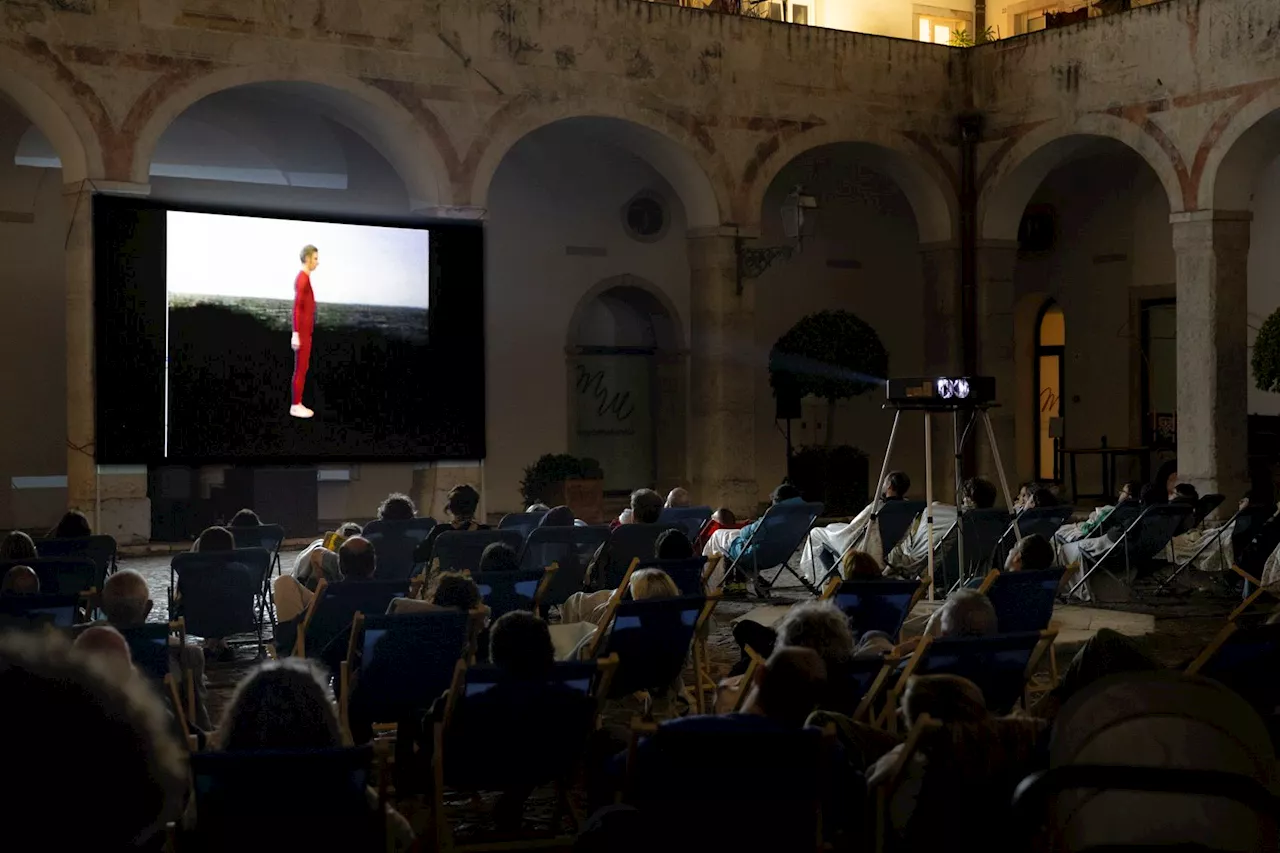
x: 1080, y: 212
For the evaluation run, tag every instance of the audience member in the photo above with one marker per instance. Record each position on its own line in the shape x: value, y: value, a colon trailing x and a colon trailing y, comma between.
x: 910, y: 557
x: 216, y: 539
x: 455, y: 590
x: 860, y: 566
x: 499, y: 557
x: 722, y: 519
x: 17, y: 546
x: 397, y: 507
x: 1023, y: 500
x: 1030, y: 553
x: 1074, y: 554
x: 106, y: 644
x: 537, y: 507
x: 673, y: 545
x: 677, y: 498
x: 1129, y: 492
x: 117, y: 727
x: 965, y: 613
x: 74, y: 524
x: 356, y: 561
x: 319, y: 560
x: 561, y: 516
x: 1043, y: 498
x: 734, y: 544
x: 461, y: 505
x: 20, y: 580
x: 593, y: 606
x: 245, y: 518
x: 646, y: 508
x: 828, y: 544
x: 1166, y: 479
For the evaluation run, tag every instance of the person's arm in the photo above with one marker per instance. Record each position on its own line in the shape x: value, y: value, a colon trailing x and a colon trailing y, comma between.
x: 295, y: 340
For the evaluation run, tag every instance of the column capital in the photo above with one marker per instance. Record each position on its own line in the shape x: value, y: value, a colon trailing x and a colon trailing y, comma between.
x: 1211, y: 231
x: 106, y: 188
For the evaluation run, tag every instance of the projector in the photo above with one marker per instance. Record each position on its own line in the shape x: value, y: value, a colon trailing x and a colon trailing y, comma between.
x: 942, y: 391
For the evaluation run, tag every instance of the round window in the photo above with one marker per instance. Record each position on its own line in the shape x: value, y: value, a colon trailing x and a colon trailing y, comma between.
x: 645, y: 217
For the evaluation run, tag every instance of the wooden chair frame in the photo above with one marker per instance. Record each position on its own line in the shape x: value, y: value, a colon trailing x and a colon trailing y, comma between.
x: 1215, y: 644
x: 833, y: 586
x: 746, y: 685
x: 1258, y: 591
x: 885, y: 790
x: 615, y: 600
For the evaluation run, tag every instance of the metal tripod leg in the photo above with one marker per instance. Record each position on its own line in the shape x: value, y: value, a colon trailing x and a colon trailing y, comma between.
x: 1004, y: 482
x: 928, y: 494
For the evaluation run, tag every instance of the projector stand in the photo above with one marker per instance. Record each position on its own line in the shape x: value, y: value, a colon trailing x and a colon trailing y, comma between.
x: 979, y: 412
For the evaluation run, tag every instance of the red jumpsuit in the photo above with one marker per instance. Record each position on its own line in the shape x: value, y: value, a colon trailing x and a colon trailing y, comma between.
x: 304, y: 318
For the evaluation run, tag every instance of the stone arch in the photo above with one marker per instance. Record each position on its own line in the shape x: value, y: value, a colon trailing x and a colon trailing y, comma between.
x: 686, y: 161
x: 413, y: 143
x: 57, y: 114
x: 1235, y: 152
x: 1011, y: 180
x: 626, y: 280
x: 926, y: 184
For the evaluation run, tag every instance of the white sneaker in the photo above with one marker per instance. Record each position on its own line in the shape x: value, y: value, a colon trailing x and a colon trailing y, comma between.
x: 301, y: 411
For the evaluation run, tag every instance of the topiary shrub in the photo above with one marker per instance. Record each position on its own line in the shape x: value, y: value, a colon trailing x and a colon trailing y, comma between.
x: 542, y: 479
x: 1266, y: 355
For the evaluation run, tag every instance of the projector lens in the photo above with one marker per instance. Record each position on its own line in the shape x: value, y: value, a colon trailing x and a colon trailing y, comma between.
x: 962, y: 388
x: 944, y: 389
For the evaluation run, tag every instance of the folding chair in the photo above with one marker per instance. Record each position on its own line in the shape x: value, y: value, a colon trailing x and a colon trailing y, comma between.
x: 61, y: 575
x: 269, y: 537
x: 216, y: 600
x: 323, y: 632
x: 980, y: 533
x: 394, y: 543
x: 780, y: 532
x: 688, y: 574
x: 100, y: 548
x: 1251, y: 561
x: 876, y: 605
x: 1140, y: 545
x: 570, y: 549
x: 688, y: 519
x: 1024, y: 601
x: 894, y: 519
x: 319, y: 800
x: 679, y: 773
x: 626, y: 543
x: 1247, y: 660
x: 1242, y: 526
x: 58, y: 611
x: 460, y: 550
x: 149, y: 645
x: 1046, y: 520
x: 883, y: 792
x: 504, y: 592
x: 479, y: 747
x: 652, y: 639
x: 523, y: 523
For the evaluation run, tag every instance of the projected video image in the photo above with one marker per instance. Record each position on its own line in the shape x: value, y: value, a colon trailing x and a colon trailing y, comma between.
x: 293, y: 337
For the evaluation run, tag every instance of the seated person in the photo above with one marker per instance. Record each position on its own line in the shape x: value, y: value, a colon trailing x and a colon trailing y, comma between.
x: 1073, y: 554
x: 1130, y: 491
x: 722, y: 519
x: 1185, y: 494
x: 108, y: 646
x: 672, y: 545
x: 678, y: 498
x: 20, y: 580
x: 1030, y: 553
x: 356, y: 561
x: 74, y: 524
x: 453, y: 590
x: 561, y: 516
x: 646, y: 508
x: 965, y: 613
x: 461, y: 505
x: 320, y: 559
x: 910, y: 557
x: 1042, y: 498
x: 499, y: 557
x: 537, y: 507
x: 245, y: 518
x: 214, y: 539
x: 860, y: 566
x: 397, y: 507
x: 126, y: 602
x: 1220, y: 556
x: 828, y: 544
x: 734, y: 543
x: 17, y: 546
x: 593, y: 606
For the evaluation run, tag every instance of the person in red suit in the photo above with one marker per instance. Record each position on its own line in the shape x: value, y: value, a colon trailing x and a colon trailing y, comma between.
x: 304, y: 320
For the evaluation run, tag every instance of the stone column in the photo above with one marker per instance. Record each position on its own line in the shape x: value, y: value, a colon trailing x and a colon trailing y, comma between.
x: 1212, y: 249
x: 671, y: 419
x: 994, y: 300
x: 725, y: 365
x: 942, y: 357
x: 82, y: 487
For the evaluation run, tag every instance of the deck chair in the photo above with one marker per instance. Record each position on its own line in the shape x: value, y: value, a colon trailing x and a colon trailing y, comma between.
x: 460, y: 550
x: 394, y: 543
x: 652, y: 639
x: 876, y: 605
x: 324, y: 630
x: 885, y: 789
x: 1242, y: 526
x: 1251, y: 561
x: 689, y: 519
x: 980, y: 533
x: 504, y: 592
x: 1140, y: 545
x: 1023, y: 601
x: 100, y: 548
x: 269, y: 537
x: 780, y: 532
x: 626, y: 543
x: 1046, y: 520
x: 1247, y: 660
x: 58, y: 611
x: 149, y: 645
x: 894, y: 519
x: 319, y: 800
x: 217, y: 601
x: 570, y: 549
x: 1000, y: 665
x: 481, y: 749
x: 523, y: 523
x: 679, y: 773
x: 60, y: 575
x: 687, y: 574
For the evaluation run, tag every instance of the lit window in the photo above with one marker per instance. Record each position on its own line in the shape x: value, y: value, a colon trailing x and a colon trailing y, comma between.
x: 937, y: 30
x: 926, y: 30
x: 941, y: 34
x: 799, y: 14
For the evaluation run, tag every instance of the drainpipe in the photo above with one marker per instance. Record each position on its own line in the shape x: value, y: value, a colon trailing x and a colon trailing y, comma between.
x: 970, y: 129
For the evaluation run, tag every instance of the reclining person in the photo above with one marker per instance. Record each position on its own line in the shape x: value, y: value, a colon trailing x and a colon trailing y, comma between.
x: 911, y: 556
x: 733, y: 544
x: 827, y: 544
x: 1129, y: 492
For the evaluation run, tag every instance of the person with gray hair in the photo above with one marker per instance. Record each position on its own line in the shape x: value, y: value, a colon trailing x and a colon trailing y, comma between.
x: 966, y: 613
x: 823, y: 627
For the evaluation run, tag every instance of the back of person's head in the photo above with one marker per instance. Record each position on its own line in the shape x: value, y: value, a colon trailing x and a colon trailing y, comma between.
x: 1043, y: 497
x: 109, y: 646
x: 357, y: 558
x: 1186, y: 492
x: 281, y: 704
x: 945, y: 698
x: 1154, y: 494
x: 561, y: 516
x: 724, y: 517
x: 791, y: 684
x: 18, y: 546
x: 397, y: 507
x: 821, y: 626
x: 245, y: 518
x: 520, y: 643
x: 537, y: 507
x: 652, y: 583
x: 860, y: 564
x: 499, y: 557
x: 678, y: 497
x: 899, y: 482
x: 784, y: 492
x: 456, y: 590
x: 980, y: 493
x: 1130, y: 491
x: 1030, y: 554
x: 672, y: 545
x: 126, y: 600
x: 74, y: 524
x: 462, y: 502
x: 349, y: 529
x: 215, y: 539
x: 967, y: 613
x: 646, y: 506
x: 20, y: 580
x: 117, y: 727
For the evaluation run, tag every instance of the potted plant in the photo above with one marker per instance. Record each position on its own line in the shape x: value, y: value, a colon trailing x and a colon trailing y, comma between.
x: 1266, y: 355
x: 562, y: 479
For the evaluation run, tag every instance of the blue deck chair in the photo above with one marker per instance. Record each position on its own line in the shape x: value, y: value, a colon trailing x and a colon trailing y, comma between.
x: 876, y: 605
x: 504, y: 592
x: 523, y: 523
x: 60, y: 611
x: 460, y: 550
x: 689, y: 519
x: 323, y: 793
x: 394, y: 543
x: 1251, y: 553
x: 1243, y: 525
x: 149, y: 645
x: 324, y: 631
x: 895, y: 518
x: 687, y: 574
x: 1000, y: 665
x: 1046, y: 520
x: 980, y: 533
x: 1023, y: 601
x: 1247, y: 660
x: 570, y: 549
x: 626, y: 543
x: 1140, y: 545
x: 652, y: 639
x: 60, y: 575
x: 680, y: 772
x: 267, y: 536
x: 217, y: 601
x: 100, y: 548
x: 781, y: 531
